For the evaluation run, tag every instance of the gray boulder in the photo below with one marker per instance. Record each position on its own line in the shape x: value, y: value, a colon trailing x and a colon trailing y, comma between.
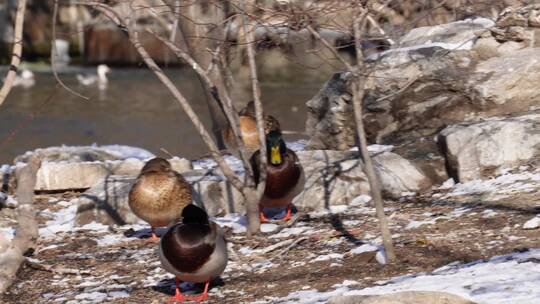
x: 53, y: 176
x: 107, y: 202
x: 478, y: 150
x: 417, y: 91
x: 332, y: 178
x: 404, y: 297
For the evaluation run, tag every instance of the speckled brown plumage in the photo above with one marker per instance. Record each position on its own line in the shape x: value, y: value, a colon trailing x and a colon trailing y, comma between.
x: 159, y: 194
x: 248, y: 127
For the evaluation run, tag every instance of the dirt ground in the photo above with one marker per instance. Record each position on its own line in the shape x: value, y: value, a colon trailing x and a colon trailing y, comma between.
x: 314, y: 252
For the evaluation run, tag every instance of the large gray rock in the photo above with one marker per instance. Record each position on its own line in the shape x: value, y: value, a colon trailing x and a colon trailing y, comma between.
x: 398, y: 175
x: 329, y: 121
x: 404, y: 297
x: 477, y: 150
x: 107, y: 202
x: 85, y: 153
x: 332, y: 178
x: 459, y: 34
x: 53, y: 176
x: 417, y: 91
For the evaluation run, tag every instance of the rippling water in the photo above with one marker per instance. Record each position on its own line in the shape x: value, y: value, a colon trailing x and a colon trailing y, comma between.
x: 136, y: 110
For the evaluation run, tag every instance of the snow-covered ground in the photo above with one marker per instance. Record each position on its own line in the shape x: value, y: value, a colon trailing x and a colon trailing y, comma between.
x: 512, y: 278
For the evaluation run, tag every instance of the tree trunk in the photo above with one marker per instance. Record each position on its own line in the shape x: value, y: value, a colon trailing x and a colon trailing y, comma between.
x: 358, y: 96
x: 27, y: 229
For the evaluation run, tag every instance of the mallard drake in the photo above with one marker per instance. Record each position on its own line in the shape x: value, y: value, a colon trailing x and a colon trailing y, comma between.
x: 284, y: 176
x: 159, y: 194
x: 194, y: 251
x: 248, y: 127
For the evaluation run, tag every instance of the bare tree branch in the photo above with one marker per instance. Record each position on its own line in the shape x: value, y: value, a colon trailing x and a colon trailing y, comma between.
x: 330, y: 48
x: 230, y: 113
x: 17, y: 51
x: 54, y: 54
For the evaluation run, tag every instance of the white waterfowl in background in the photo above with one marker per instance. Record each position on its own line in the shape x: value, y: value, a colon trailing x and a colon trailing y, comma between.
x: 25, y: 80
x: 100, y: 78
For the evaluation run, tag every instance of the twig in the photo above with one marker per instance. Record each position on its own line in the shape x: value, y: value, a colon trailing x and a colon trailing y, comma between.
x: 277, y: 246
x: 330, y: 48
x: 376, y: 25
x: 17, y: 52
x: 402, y: 89
x: 50, y: 268
x: 54, y: 54
x: 292, y: 245
x: 228, y: 108
x: 166, y: 152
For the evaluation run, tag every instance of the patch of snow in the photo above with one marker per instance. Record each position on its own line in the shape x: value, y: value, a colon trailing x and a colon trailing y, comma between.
x: 262, y: 266
x: 375, y: 148
x: 448, y: 184
x: 381, y: 257
x: 7, y: 233
x: 408, y: 193
x: 488, y: 213
x: 8, y: 200
x: 364, y: 248
x: 502, y: 279
x: 533, y: 223
x: 94, y: 227
x: 351, y: 222
x: 268, y: 227
x: 500, y: 186
x: 63, y: 221
x: 338, y: 208
x: 125, y: 152
x: 209, y: 164
x: 456, y: 213
x: 326, y: 257
x: 287, y: 232
x: 361, y: 200
x: 298, y: 145
x: 346, y: 283
x: 110, y: 239
x: 237, y: 222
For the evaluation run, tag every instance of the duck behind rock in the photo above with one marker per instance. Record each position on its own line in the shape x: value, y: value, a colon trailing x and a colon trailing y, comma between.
x: 194, y: 251
x: 248, y: 128
x: 159, y: 194
x: 284, y: 175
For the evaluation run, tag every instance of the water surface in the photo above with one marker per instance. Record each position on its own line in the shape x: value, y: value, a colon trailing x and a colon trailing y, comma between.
x: 136, y: 110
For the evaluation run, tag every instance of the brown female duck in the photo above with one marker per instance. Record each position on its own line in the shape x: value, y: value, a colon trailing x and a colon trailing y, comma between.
x: 194, y: 251
x: 248, y: 128
x: 284, y: 176
x: 159, y: 194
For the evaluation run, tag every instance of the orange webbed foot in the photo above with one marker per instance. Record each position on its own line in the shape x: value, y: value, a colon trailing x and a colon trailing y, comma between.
x: 263, y: 218
x: 203, y: 296
x: 178, y: 296
x: 154, y: 238
x: 288, y: 216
